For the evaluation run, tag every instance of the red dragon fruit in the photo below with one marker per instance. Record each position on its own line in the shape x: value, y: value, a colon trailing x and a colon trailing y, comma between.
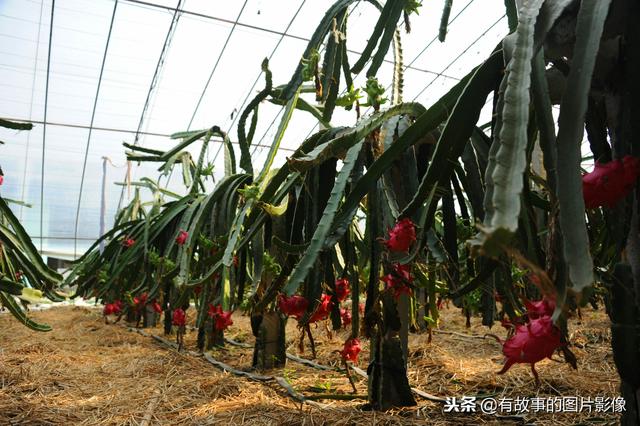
x: 401, y: 236
x: 540, y: 308
x: 608, y: 183
x: 293, y: 306
x: 113, y: 308
x: 323, y: 309
x: 179, y: 317
x: 398, y: 279
x: 342, y: 289
x: 221, y: 319
x: 345, y: 315
x: 182, y: 237
x: 140, y: 301
x: 531, y: 343
x: 351, y: 350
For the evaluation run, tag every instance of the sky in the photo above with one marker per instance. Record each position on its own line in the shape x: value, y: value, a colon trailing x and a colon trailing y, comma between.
x: 210, y: 69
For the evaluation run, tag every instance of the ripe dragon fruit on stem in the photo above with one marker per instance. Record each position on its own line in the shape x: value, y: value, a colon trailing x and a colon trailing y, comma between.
x: 221, y: 319
x: 345, y: 315
x: 610, y: 182
x: 182, y: 237
x: 401, y: 236
x: 351, y: 350
x: 531, y: 343
x: 342, y: 289
x: 293, y: 306
x: 322, y: 311
x: 140, y: 301
x: 540, y: 308
x: 535, y: 309
x: 113, y: 308
x: 398, y: 279
x: 108, y: 309
x: 179, y: 317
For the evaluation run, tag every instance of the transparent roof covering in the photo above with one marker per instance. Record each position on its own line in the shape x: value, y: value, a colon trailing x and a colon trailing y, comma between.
x: 136, y: 71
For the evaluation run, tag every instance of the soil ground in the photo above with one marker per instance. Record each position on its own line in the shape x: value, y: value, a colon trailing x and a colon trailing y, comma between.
x: 85, y: 372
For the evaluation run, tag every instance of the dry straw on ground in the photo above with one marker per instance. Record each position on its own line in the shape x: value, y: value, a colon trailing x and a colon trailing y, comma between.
x: 86, y: 372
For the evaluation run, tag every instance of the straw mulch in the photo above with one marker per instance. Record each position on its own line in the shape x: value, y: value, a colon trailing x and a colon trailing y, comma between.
x: 86, y: 372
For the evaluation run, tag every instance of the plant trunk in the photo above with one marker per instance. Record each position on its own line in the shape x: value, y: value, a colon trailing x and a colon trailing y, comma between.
x: 168, y: 315
x: 631, y: 415
x: 625, y: 340
x: 132, y: 316
x: 213, y: 338
x: 200, y: 339
x: 270, y: 350
x: 388, y: 382
x: 624, y: 308
x: 404, y: 307
x: 150, y: 317
x: 166, y: 305
x: 624, y: 311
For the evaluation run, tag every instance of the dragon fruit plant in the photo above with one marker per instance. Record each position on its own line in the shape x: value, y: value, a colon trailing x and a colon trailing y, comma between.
x: 24, y: 277
x: 412, y: 203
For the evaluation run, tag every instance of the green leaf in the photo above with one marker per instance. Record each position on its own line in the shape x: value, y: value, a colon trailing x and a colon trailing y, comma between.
x: 186, y: 169
x: 303, y: 105
x: 284, y: 122
x: 159, y: 227
x: 332, y: 65
x: 17, y: 202
x: 235, y: 232
x: 289, y: 248
x: 444, y: 21
x: 277, y: 188
x: 200, y: 164
x: 348, y: 137
x: 316, y: 40
x: 455, y: 135
x: 152, y: 186
x: 549, y: 14
x: 323, y: 228
x: 245, y: 155
x: 202, y: 213
x: 390, y: 31
x: 10, y: 287
x: 113, y: 231
x: 20, y: 241
x: 425, y: 123
x: 177, y: 135
x: 385, y: 16
x: 545, y: 121
x: 229, y: 158
x: 182, y: 145
x: 510, y: 161
x: 512, y: 14
x: 15, y: 125
x: 9, y: 303
x: 149, y: 150
x: 397, y: 84
x: 573, y: 107
x: 489, y: 267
